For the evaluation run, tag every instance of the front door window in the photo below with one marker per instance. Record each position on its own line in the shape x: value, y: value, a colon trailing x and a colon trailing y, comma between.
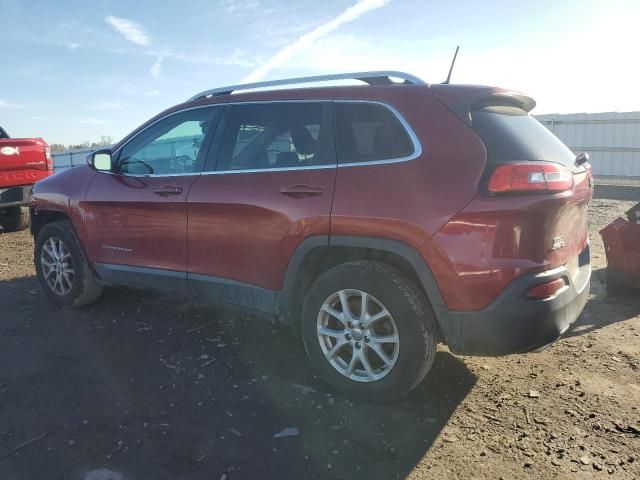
x: 170, y: 147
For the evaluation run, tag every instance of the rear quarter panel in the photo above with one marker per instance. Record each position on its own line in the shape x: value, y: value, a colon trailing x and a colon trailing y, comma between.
x: 409, y: 201
x: 496, y: 239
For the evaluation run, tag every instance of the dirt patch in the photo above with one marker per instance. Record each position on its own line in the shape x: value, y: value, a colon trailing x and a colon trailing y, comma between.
x: 149, y: 386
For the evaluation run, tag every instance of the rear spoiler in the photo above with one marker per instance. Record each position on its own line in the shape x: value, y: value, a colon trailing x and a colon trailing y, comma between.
x: 463, y: 99
x: 505, y: 100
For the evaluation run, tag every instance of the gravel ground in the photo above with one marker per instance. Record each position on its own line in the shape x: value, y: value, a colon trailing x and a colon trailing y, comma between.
x: 149, y: 386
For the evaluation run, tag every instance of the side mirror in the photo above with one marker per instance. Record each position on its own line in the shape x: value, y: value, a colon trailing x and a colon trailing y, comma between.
x: 100, y: 160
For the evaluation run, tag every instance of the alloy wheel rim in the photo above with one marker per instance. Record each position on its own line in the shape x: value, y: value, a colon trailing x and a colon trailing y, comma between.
x: 57, y: 266
x: 358, y: 335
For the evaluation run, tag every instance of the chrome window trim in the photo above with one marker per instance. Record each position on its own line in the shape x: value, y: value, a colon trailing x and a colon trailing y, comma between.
x: 417, y: 145
x: 266, y: 170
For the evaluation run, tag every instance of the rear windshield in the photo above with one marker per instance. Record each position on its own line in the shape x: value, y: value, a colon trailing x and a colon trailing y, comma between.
x: 3, y: 134
x: 511, y: 134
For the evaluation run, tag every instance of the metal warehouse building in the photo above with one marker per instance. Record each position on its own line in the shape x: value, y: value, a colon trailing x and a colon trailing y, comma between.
x: 611, y: 139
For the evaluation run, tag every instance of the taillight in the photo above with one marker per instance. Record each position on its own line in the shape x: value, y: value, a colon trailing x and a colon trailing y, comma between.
x: 49, y: 159
x: 530, y: 177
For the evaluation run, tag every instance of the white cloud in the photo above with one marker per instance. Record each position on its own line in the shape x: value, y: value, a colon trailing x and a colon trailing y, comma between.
x: 232, y: 6
x: 130, y: 30
x: 73, y: 46
x: 237, y: 57
x: 563, y: 73
x: 109, y: 105
x: 89, y: 121
x: 156, y: 67
x: 8, y: 104
x: 350, y: 14
x: 584, y: 72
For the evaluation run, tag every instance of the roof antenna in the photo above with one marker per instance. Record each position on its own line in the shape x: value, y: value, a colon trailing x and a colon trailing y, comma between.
x: 448, y: 80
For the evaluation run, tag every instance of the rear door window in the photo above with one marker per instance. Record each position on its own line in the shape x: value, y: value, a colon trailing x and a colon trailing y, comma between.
x: 264, y: 136
x: 367, y: 132
x: 510, y: 134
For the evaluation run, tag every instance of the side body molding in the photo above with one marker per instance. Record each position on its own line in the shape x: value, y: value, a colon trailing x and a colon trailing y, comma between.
x: 263, y: 301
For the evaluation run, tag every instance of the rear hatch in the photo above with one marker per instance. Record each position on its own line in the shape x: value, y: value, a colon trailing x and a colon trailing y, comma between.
x: 533, y: 170
x: 23, y: 161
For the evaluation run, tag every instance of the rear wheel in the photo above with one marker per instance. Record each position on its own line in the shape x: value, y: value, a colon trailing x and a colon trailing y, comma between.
x: 64, y: 272
x: 368, y: 331
x: 14, y: 219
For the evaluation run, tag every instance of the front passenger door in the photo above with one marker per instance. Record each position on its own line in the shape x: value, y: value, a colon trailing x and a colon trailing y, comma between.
x: 137, y: 216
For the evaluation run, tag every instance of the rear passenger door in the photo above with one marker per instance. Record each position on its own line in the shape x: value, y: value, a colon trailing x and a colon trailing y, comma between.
x: 268, y: 184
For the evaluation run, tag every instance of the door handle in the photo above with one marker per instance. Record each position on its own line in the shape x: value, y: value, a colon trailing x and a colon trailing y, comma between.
x: 168, y: 191
x: 300, y: 191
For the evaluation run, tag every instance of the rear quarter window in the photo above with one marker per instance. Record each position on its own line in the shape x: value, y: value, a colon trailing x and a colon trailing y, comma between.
x: 510, y: 134
x: 367, y: 132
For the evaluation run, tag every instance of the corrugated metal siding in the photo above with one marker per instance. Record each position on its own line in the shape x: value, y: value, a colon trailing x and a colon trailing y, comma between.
x: 612, y: 139
x: 71, y: 158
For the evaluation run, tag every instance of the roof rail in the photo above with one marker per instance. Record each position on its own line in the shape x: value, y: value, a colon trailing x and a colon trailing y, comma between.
x: 371, y: 78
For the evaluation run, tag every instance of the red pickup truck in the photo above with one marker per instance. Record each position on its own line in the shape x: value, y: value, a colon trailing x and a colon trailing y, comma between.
x: 23, y: 161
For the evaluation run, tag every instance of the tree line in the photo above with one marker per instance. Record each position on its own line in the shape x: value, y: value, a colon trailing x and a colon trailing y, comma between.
x: 103, y: 142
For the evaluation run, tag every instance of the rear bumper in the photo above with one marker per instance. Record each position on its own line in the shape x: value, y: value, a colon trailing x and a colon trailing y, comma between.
x: 15, y: 196
x: 514, y: 323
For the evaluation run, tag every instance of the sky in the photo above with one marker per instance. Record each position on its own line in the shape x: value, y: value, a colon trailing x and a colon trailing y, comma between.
x: 73, y: 70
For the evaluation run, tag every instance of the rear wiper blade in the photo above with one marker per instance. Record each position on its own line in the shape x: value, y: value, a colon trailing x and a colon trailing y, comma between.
x: 582, y: 158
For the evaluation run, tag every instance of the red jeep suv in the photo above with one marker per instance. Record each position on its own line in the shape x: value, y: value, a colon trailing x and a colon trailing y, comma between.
x: 377, y: 220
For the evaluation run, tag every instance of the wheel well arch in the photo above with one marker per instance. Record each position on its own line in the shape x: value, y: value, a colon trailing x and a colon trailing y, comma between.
x: 40, y: 218
x: 315, y: 256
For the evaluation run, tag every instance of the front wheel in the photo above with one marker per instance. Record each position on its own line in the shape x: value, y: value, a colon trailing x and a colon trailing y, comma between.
x: 368, y: 331
x: 63, y: 271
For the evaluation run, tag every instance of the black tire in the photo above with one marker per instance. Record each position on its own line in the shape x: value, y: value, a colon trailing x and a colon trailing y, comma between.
x: 410, y: 310
x: 15, y: 219
x: 85, y: 288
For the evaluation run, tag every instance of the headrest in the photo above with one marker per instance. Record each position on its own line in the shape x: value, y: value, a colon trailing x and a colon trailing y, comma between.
x: 302, y: 140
